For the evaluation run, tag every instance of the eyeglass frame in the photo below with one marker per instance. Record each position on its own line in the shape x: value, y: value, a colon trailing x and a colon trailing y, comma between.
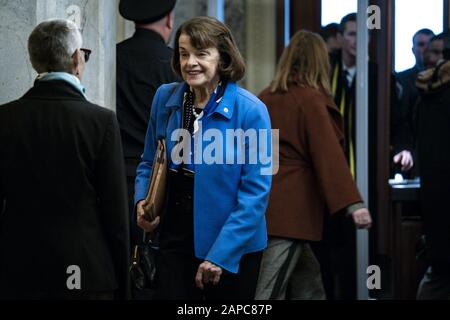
x: 87, y: 53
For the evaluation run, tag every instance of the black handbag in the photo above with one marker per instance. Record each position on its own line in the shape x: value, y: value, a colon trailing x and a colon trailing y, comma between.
x: 143, y: 264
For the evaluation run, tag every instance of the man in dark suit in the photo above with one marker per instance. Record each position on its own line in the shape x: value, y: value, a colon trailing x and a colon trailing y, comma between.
x: 434, y: 156
x: 337, y: 252
x: 407, y: 78
x: 402, y: 111
x: 64, y: 230
x: 143, y: 64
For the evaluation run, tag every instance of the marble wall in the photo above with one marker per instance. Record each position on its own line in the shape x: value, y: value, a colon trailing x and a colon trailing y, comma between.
x: 17, y: 19
x: 252, y: 23
x: 260, y: 39
x: 97, y: 22
x: 235, y: 20
x: 187, y: 9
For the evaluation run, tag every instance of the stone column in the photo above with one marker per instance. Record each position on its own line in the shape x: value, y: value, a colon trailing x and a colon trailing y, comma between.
x: 17, y: 19
x: 235, y: 20
x: 185, y: 10
x: 125, y: 28
x: 260, y: 17
x: 97, y: 22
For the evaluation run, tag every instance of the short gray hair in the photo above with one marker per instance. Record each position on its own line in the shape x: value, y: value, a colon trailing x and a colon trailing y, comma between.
x: 51, y: 45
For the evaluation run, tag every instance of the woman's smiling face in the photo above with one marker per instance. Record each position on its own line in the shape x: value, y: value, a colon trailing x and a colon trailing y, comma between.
x: 199, y: 67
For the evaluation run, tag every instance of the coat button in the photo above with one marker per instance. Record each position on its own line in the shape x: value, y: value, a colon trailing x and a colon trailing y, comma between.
x: 225, y: 110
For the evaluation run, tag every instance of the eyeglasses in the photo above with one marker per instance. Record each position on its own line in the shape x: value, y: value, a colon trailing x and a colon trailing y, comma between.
x: 87, y: 54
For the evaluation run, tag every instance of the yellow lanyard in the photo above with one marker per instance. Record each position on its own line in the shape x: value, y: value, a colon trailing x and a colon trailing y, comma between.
x: 351, y: 149
x: 335, y: 78
x: 352, y: 159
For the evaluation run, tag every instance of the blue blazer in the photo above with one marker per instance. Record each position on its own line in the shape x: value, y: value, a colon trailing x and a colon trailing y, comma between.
x: 230, y: 200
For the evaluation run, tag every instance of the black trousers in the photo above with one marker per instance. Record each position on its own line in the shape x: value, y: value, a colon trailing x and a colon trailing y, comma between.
x: 176, y: 279
x: 177, y: 264
x: 337, y: 257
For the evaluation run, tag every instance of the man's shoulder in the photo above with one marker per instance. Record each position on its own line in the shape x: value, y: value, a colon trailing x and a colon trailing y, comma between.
x: 407, y: 74
x: 79, y: 111
x: 100, y: 111
x: 9, y: 104
x: 408, y: 71
x: 147, y: 46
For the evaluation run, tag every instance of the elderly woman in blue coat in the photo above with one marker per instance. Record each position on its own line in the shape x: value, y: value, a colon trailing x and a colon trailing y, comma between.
x: 213, y: 230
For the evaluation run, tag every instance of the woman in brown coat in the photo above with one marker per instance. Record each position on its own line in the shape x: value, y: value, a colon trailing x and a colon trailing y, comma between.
x: 313, y: 178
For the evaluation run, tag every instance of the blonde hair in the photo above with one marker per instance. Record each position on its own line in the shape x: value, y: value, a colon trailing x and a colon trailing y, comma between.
x: 304, y: 62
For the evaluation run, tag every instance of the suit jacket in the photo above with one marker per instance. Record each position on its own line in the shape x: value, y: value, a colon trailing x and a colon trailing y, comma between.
x: 346, y: 103
x: 62, y: 186
x: 313, y: 178
x: 230, y: 197
x: 403, y: 111
x: 434, y: 156
x: 143, y: 64
x: 349, y: 113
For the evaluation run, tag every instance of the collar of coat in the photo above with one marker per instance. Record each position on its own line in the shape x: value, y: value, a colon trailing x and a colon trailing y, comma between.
x: 63, y: 76
x: 225, y: 107
x: 148, y: 34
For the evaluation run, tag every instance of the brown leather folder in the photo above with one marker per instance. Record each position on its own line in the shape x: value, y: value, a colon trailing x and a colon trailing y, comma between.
x: 157, y: 186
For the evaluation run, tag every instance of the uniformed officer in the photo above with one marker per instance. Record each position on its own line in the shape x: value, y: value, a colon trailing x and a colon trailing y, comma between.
x: 143, y: 64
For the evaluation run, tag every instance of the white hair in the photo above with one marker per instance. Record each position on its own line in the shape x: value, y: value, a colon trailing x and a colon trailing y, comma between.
x: 52, y: 44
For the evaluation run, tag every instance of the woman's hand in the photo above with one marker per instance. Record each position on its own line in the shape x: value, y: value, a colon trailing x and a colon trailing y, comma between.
x: 146, y: 225
x: 207, y: 272
x: 362, y: 219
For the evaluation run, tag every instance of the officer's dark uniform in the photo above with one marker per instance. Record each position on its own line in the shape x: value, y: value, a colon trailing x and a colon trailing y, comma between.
x: 143, y: 64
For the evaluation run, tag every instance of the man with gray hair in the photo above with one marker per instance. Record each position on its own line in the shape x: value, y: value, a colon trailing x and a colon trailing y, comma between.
x: 63, y: 205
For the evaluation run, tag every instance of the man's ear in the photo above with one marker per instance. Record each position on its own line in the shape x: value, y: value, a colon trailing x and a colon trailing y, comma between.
x: 170, y: 20
x: 76, y: 61
x: 76, y: 58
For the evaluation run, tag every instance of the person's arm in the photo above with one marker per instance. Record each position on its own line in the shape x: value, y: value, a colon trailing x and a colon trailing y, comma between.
x: 401, y: 124
x: 330, y: 165
x: 404, y: 159
x: 112, y: 195
x: 360, y: 215
x: 327, y: 156
x: 144, y: 168
x: 252, y: 198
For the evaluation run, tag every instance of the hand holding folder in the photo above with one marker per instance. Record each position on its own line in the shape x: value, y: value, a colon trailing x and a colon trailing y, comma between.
x: 154, y: 201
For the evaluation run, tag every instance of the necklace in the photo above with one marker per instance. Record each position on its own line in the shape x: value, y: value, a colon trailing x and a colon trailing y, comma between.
x: 196, y: 115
